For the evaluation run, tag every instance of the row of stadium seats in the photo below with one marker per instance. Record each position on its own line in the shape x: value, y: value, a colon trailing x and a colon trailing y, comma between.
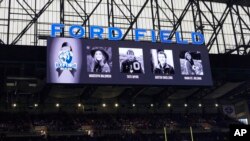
x: 125, y: 137
x: 23, y: 122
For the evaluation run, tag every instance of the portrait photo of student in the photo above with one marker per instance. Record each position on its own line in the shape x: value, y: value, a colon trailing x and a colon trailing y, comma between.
x: 191, y: 63
x: 131, y: 60
x: 162, y: 62
x: 99, y: 60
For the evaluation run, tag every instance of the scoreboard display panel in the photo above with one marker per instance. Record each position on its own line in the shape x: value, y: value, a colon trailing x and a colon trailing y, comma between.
x: 89, y: 61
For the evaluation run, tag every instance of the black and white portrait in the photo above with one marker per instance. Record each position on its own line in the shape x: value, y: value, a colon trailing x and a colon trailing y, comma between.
x: 191, y: 63
x: 131, y: 60
x: 99, y: 59
x: 162, y: 62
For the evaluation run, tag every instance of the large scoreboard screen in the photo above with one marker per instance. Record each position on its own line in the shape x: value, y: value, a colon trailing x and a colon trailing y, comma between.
x: 88, y: 61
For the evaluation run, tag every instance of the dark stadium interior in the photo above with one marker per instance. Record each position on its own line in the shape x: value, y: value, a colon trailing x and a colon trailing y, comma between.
x: 33, y: 110
x: 23, y: 82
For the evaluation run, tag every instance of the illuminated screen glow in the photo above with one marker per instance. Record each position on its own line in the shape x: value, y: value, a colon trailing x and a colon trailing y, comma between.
x: 86, y: 61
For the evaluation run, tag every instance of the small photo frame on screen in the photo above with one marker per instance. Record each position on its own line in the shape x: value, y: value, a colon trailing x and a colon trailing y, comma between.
x: 131, y: 60
x: 99, y: 59
x: 162, y: 62
x: 64, y: 60
x: 191, y: 63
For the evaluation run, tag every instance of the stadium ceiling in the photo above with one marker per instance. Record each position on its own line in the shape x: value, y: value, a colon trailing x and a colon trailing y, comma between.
x: 225, y: 23
x: 236, y: 2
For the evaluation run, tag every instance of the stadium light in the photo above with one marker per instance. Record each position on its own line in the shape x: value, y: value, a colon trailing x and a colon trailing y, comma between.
x: 116, y: 105
x: 200, y: 105
x: 57, y: 105
x: 104, y: 105
x: 79, y: 105
x: 185, y: 105
x: 14, y: 105
x: 151, y: 105
x: 169, y: 105
x: 216, y: 105
x: 36, y: 105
